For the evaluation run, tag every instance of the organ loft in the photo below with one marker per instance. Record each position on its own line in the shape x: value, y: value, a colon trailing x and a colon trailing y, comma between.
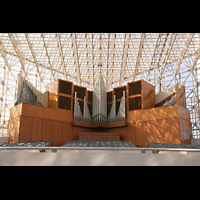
x: 131, y: 112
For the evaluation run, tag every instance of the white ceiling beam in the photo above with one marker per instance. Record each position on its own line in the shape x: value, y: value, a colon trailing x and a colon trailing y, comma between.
x: 139, y: 55
x: 16, y: 48
x: 34, y: 56
x: 51, y: 69
x: 76, y: 59
x: 61, y: 55
x: 182, y: 55
x: 124, y: 59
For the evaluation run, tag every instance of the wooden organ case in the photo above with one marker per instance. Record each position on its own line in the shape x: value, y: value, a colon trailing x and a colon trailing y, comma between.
x: 143, y: 122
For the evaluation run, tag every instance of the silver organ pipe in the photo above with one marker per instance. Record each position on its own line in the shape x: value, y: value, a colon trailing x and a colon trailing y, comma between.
x: 99, y: 106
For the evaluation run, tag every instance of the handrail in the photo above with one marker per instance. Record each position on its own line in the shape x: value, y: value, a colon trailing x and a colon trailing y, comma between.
x: 100, y: 148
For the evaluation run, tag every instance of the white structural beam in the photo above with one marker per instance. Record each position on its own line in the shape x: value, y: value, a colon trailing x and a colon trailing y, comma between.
x: 76, y: 59
x: 61, y: 55
x: 34, y: 56
x: 16, y: 48
x: 51, y: 69
x: 124, y: 59
x: 167, y: 56
x: 182, y: 54
x: 139, y: 55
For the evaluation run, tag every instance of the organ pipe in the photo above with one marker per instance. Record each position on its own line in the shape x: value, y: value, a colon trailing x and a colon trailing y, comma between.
x: 99, y: 106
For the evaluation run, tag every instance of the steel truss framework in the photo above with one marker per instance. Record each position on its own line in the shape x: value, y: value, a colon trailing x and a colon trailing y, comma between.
x: 163, y: 59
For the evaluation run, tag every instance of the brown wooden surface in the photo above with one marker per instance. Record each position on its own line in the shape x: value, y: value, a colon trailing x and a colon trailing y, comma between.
x: 99, y: 136
x: 180, y: 95
x: 158, y: 113
x: 98, y: 124
x: 149, y: 101
x: 14, y: 123
x: 46, y: 113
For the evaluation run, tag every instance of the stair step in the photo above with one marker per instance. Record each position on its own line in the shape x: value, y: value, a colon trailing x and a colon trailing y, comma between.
x: 99, y: 136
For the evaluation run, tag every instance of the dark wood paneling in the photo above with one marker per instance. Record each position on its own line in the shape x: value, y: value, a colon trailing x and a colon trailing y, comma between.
x: 64, y: 102
x: 117, y: 106
x: 134, y: 88
x: 118, y: 92
x: 135, y: 103
x: 90, y: 96
x: 108, y: 108
x: 109, y: 96
x: 81, y: 103
x: 65, y: 87
x: 81, y: 92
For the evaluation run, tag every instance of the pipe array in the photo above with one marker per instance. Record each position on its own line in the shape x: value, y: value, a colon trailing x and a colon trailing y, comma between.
x: 99, y: 106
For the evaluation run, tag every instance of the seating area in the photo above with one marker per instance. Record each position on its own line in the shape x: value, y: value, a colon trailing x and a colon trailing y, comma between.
x: 98, y: 143
x: 26, y: 144
x: 167, y: 145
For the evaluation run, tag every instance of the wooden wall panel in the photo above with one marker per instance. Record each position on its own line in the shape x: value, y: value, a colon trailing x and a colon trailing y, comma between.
x: 185, y: 133
x: 58, y: 131
x: 162, y: 127
x: 146, y: 88
x: 153, y: 113
x: 47, y: 130
x: 36, y: 131
x: 67, y: 134
x: 46, y: 113
x: 149, y: 101
x: 151, y: 133
x: 25, y: 129
x: 131, y: 133
x: 140, y: 134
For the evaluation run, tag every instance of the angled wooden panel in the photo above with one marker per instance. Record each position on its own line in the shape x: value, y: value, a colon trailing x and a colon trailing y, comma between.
x: 36, y: 131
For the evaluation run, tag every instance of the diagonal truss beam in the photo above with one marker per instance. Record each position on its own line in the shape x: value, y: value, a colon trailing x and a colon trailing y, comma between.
x: 76, y: 59
x: 124, y: 58
x: 51, y: 69
x: 182, y: 55
x: 34, y: 56
x: 61, y: 55
x: 139, y: 55
x: 16, y: 48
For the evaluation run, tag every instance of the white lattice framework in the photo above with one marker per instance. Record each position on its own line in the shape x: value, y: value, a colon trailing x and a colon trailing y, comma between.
x: 163, y: 59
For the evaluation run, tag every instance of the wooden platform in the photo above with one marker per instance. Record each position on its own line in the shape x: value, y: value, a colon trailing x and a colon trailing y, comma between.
x: 170, y: 124
x: 99, y: 136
